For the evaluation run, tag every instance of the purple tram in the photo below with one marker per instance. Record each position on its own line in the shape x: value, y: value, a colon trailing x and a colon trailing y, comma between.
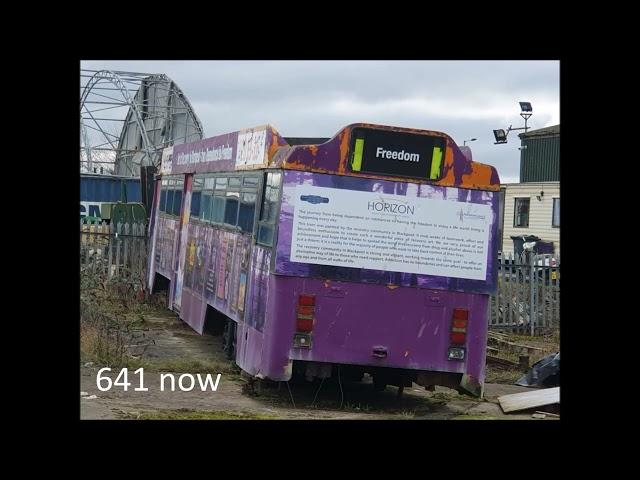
x: 370, y: 252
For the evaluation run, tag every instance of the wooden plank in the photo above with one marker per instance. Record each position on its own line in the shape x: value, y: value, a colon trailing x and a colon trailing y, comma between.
x: 517, y: 345
x: 501, y: 361
x: 527, y: 400
x: 498, y: 335
x: 110, y: 261
x: 555, y: 415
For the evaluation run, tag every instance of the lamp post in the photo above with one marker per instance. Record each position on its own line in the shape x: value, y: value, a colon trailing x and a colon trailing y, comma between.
x: 469, y: 140
x: 525, y: 112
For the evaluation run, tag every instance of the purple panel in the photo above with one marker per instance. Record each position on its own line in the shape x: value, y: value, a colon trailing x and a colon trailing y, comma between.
x: 285, y: 266
x: 351, y: 319
x: 208, y: 155
x: 167, y: 230
x: 258, y: 287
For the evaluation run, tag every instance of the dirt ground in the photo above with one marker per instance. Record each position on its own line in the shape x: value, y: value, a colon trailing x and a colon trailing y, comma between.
x: 175, y: 347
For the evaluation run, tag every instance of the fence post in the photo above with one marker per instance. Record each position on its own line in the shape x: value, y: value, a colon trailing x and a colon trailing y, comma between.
x: 532, y: 300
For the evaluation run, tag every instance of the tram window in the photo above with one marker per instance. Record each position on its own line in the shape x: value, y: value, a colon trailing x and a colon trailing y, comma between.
x: 247, y: 211
x: 177, y: 202
x: 195, y: 204
x: 209, y: 183
x: 217, y: 209
x: 231, y: 209
x: 234, y: 182
x: 265, y: 234
x: 251, y: 182
x: 266, y: 227
x: 169, y: 204
x: 163, y: 200
x: 206, y: 206
x: 196, y: 196
x: 221, y: 183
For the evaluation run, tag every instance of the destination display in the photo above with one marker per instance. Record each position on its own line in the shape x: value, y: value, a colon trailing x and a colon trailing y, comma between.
x: 379, y: 231
x: 397, y: 153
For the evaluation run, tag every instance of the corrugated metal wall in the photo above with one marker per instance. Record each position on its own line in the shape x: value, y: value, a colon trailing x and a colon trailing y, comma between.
x: 106, y: 189
x: 540, y: 161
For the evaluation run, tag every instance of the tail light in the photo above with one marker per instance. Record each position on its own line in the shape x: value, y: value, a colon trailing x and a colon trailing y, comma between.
x: 305, y: 312
x: 458, y: 334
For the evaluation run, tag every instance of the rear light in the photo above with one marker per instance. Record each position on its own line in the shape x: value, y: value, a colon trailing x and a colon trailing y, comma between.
x: 305, y: 311
x: 304, y: 325
x: 460, y: 314
x: 458, y: 338
x: 307, y: 300
x: 458, y: 334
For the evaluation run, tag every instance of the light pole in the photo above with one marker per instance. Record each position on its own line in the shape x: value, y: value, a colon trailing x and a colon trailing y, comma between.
x: 469, y: 140
x: 525, y: 112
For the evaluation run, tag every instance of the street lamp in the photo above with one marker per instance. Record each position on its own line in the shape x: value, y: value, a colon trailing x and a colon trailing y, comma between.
x: 525, y: 112
x: 469, y: 140
x: 501, y: 136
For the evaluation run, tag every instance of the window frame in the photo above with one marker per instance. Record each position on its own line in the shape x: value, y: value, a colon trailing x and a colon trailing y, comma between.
x: 221, y: 190
x: 278, y: 205
x: 515, y: 211
x: 553, y: 213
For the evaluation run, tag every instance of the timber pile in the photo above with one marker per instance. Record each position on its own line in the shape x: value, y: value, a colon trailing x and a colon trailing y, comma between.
x: 502, y: 340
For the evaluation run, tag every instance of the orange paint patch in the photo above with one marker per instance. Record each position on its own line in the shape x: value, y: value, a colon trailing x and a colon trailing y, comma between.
x: 480, y: 176
x: 344, y: 149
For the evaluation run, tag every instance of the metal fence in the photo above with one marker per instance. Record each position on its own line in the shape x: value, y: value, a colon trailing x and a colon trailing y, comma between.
x: 528, y: 295
x: 114, y: 250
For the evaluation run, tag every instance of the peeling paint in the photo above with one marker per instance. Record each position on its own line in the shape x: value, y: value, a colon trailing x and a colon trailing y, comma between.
x: 421, y: 330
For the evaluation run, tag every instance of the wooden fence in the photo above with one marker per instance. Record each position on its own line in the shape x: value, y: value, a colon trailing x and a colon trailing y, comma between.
x: 528, y: 295
x: 114, y: 250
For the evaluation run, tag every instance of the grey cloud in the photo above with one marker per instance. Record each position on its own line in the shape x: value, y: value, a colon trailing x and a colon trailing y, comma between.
x: 307, y: 98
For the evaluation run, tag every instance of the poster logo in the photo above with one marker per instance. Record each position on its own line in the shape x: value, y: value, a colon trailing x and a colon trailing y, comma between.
x: 314, y: 199
x: 470, y: 216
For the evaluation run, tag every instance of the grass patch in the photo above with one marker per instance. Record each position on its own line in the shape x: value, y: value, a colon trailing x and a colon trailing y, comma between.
x: 112, y: 318
x: 502, y: 375
x: 186, y: 414
x: 192, y: 366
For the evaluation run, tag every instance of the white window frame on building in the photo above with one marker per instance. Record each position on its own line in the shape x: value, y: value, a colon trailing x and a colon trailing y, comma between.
x: 516, y: 214
x: 555, y: 213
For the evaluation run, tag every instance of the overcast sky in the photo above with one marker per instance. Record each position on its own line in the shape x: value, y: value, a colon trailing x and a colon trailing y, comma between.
x: 465, y: 99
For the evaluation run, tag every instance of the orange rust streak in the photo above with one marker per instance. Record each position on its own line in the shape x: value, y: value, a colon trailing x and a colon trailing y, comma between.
x: 449, y: 178
x: 480, y: 175
x: 344, y: 148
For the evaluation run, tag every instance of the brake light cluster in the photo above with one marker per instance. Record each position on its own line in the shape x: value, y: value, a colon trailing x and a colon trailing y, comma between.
x: 305, y: 314
x: 458, y: 334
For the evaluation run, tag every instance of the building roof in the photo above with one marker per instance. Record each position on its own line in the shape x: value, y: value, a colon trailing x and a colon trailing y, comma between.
x: 542, y: 132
